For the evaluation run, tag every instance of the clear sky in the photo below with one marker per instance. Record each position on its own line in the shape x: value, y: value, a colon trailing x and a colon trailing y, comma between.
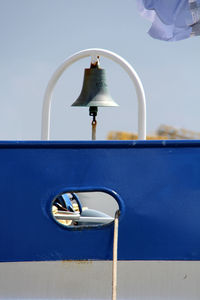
x: 36, y: 36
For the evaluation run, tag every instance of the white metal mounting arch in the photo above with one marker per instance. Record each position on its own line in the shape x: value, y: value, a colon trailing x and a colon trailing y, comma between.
x: 95, y: 52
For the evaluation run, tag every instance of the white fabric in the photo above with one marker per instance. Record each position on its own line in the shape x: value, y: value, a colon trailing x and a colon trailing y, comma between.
x: 172, y: 20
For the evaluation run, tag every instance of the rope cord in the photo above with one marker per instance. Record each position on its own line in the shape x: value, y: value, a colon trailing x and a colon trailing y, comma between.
x: 115, y: 248
x: 94, y: 126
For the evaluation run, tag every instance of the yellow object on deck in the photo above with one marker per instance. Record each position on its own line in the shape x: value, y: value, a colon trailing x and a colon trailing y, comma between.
x: 164, y: 132
x: 121, y: 135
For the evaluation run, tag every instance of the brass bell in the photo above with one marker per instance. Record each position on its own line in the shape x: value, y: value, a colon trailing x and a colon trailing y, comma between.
x: 94, y: 92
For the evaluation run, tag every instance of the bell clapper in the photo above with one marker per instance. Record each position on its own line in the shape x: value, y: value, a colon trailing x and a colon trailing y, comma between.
x: 94, y: 123
x: 93, y: 112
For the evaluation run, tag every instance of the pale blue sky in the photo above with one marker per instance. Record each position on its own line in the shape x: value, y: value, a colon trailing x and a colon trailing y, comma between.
x: 37, y: 35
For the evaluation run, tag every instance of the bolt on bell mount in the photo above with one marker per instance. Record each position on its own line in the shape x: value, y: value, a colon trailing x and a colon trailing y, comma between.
x: 94, y: 92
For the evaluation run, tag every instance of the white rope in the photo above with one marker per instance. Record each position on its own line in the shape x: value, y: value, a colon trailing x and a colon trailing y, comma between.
x: 115, y: 248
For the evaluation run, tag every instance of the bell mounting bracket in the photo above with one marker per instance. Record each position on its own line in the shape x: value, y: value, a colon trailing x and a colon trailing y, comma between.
x: 94, y: 52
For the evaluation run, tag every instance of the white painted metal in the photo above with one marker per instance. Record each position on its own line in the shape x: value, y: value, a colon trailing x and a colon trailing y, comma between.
x: 137, y: 280
x: 94, y: 53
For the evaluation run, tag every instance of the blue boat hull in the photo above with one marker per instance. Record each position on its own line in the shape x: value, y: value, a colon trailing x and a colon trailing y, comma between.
x: 156, y: 184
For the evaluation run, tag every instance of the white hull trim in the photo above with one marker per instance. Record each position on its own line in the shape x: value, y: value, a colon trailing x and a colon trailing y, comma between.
x: 93, y: 280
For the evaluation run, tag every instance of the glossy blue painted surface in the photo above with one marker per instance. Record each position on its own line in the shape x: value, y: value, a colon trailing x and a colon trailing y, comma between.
x: 156, y: 183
